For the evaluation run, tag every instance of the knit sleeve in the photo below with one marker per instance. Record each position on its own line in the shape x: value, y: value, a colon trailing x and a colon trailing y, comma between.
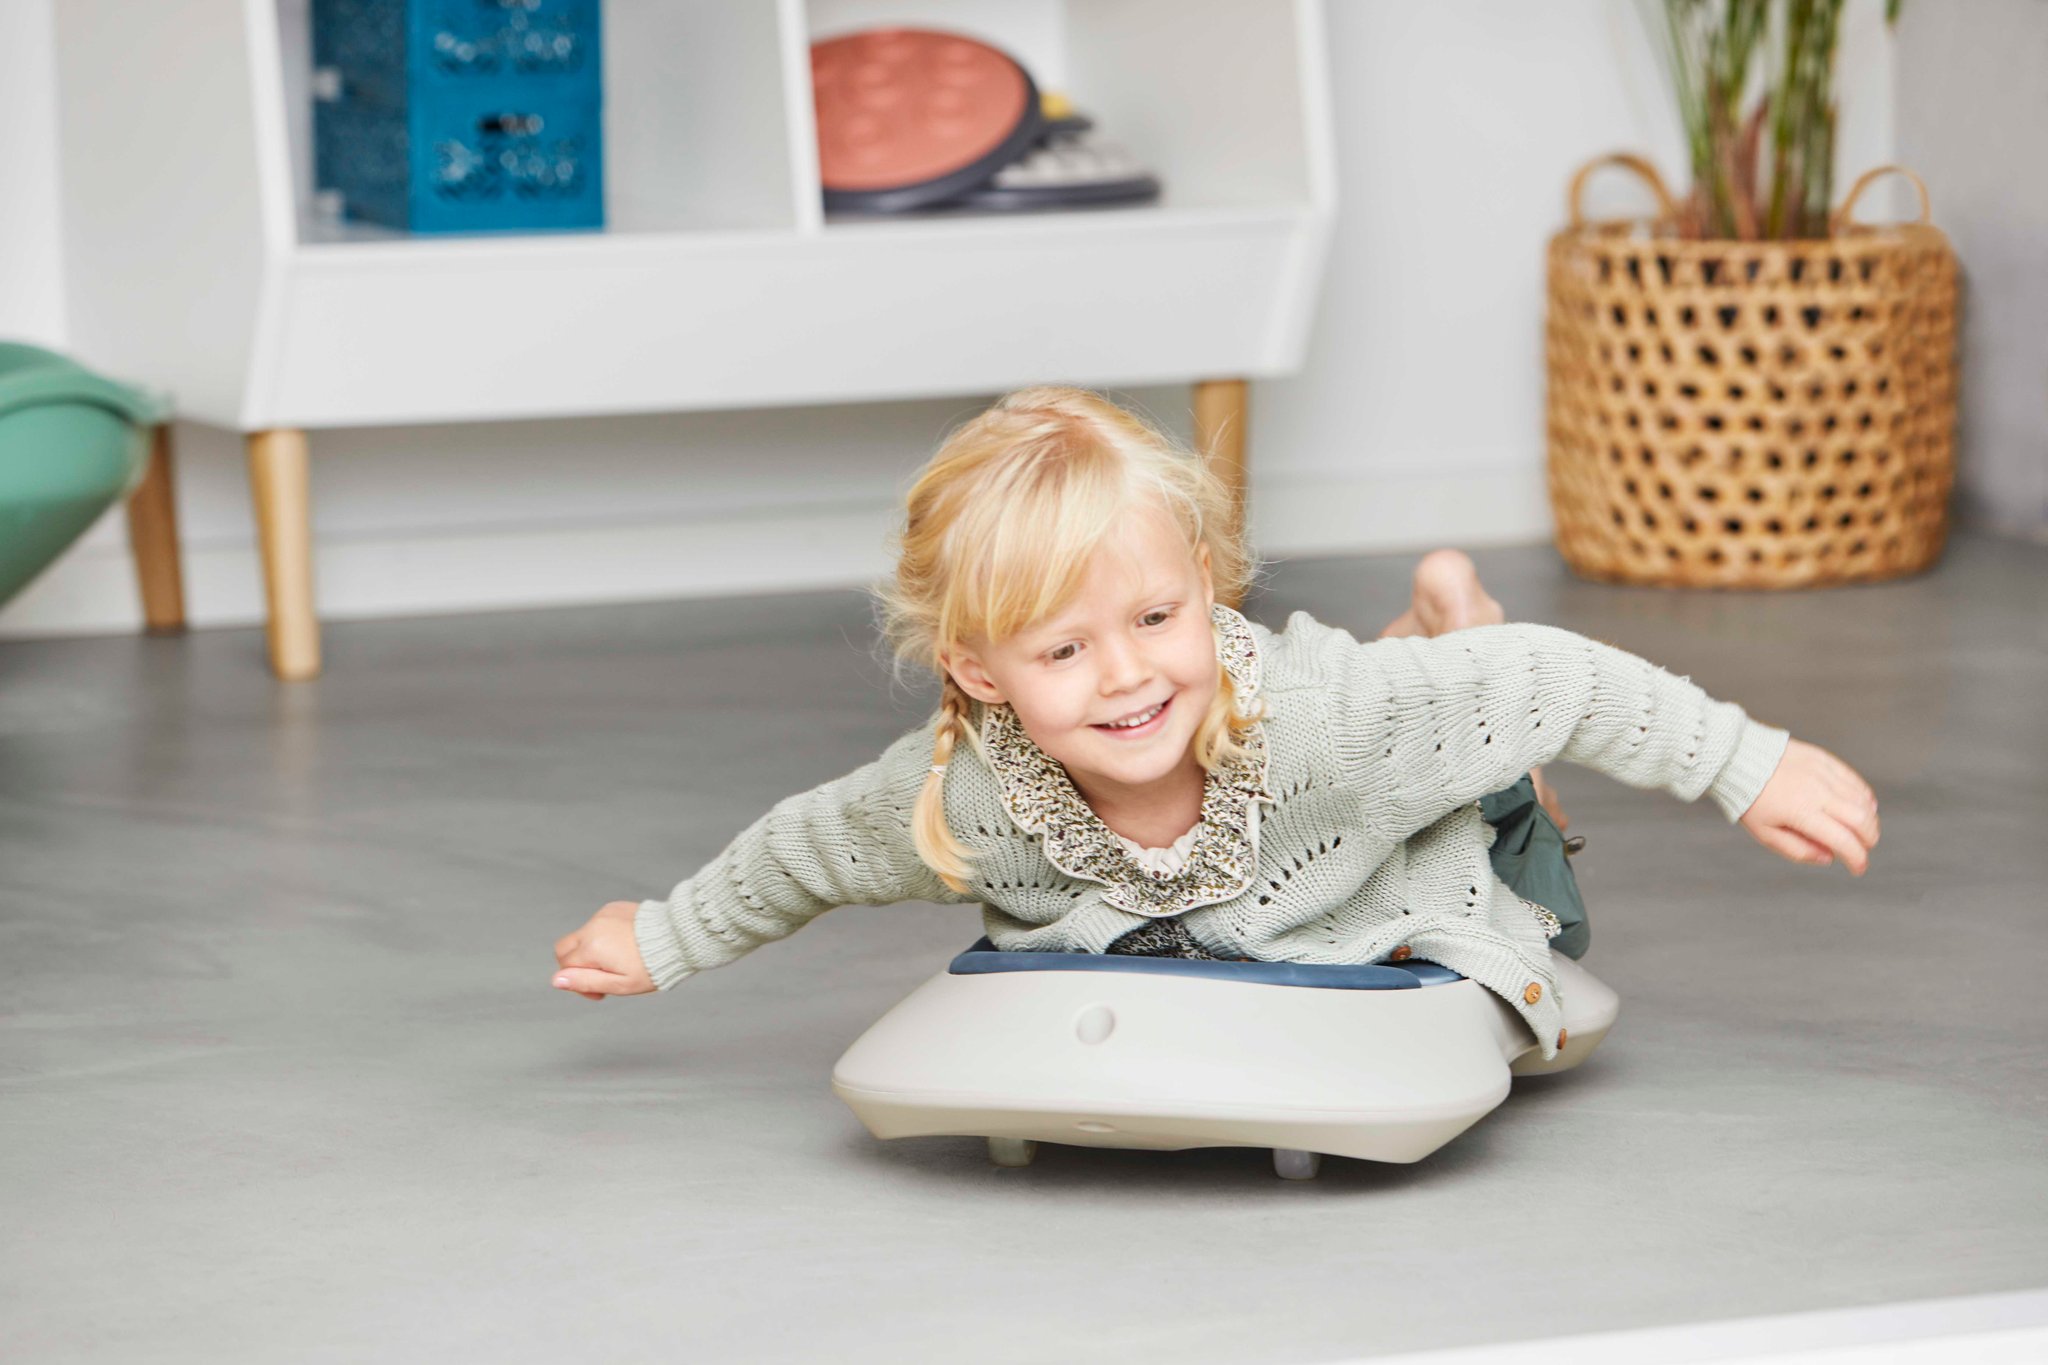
x: 1426, y: 725
x: 847, y: 842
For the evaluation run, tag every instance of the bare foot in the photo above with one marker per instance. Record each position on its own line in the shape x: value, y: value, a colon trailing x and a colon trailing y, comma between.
x: 1448, y: 595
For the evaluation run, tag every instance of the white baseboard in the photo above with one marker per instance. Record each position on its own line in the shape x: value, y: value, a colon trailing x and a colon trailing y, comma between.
x: 92, y: 590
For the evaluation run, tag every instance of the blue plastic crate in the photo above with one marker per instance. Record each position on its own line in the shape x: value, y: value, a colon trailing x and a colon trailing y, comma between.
x: 386, y: 49
x: 448, y: 165
x: 461, y: 115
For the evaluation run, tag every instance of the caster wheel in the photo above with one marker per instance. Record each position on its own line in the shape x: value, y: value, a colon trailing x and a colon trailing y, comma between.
x: 1011, y: 1151
x: 1290, y: 1164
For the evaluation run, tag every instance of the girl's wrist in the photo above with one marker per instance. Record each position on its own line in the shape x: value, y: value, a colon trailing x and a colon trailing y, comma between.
x: 660, y: 952
x: 1758, y: 751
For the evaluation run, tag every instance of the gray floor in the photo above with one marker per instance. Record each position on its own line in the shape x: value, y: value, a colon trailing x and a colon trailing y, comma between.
x: 281, y: 1076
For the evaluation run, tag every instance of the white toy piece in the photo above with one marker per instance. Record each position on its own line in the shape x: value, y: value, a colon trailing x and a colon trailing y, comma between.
x: 1385, y: 1062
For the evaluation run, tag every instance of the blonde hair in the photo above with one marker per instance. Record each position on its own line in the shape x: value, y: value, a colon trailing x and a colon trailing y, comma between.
x: 998, y: 533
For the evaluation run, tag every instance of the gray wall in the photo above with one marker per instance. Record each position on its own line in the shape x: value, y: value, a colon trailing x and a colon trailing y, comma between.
x: 1972, y: 119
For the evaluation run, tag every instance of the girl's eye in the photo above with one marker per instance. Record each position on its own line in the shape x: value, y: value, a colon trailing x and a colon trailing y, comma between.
x: 1159, y: 616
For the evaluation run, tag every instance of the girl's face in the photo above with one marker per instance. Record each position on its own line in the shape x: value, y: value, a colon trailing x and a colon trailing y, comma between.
x: 1135, y: 644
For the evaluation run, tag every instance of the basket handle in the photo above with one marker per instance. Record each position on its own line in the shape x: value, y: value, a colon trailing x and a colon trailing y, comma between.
x: 1843, y: 216
x: 1666, y: 207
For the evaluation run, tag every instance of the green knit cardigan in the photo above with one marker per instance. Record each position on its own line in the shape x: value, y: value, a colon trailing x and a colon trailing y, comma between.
x: 1347, y: 830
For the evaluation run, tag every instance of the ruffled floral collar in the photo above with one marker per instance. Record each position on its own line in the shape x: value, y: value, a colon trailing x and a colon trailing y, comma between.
x: 1041, y: 799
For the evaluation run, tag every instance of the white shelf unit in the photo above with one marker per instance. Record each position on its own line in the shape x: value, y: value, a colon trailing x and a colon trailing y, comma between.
x: 196, y: 260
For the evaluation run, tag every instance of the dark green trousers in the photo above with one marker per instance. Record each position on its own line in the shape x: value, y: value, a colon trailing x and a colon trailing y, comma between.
x: 1528, y: 854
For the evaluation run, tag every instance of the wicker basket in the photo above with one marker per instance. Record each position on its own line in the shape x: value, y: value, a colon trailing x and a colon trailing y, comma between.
x: 1743, y: 414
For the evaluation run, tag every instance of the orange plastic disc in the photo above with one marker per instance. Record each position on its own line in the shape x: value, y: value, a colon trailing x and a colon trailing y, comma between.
x: 914, y: 115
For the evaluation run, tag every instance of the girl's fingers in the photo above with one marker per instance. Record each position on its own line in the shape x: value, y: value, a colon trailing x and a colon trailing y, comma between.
x: 594, y: 982
x: 1793, y: 846
x: 1860, y: 818
x: 1827, y: 830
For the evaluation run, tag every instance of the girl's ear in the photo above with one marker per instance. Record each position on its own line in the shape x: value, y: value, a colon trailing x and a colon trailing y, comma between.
x: 970, y: 676
x: 1208, y: 581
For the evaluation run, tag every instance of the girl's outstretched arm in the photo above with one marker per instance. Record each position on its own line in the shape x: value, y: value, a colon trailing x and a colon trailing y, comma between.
x: 1427, y: 725
x: 844, y: 843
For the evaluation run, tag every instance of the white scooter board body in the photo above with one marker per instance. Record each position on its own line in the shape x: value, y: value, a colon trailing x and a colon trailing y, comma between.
x: 1152, y: 1059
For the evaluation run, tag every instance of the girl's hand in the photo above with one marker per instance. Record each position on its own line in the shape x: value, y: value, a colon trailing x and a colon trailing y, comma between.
x: 1814, y: 809
x: 603, y: 957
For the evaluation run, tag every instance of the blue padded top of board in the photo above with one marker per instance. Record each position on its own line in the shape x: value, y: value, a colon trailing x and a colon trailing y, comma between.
x: 1390, y: 976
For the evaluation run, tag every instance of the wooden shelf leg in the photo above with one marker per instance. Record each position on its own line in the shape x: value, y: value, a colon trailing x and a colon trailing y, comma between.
x: 1220, y: 415
x: 280, y: 482
x: 153, y: 538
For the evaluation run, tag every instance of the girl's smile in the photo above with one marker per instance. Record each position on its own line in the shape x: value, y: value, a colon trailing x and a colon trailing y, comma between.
x: 1139, y: 724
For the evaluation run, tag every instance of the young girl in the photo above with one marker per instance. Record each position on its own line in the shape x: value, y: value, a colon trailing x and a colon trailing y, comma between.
x: 1122, y: 764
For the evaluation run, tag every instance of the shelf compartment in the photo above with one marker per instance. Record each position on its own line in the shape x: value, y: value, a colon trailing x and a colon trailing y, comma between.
x: 696, y: 124
x: 1223, y: 99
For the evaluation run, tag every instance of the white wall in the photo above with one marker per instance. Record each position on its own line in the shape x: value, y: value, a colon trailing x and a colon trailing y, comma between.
x: 31, y: 254
x: 1417, y: 421
x: 1957, y: 83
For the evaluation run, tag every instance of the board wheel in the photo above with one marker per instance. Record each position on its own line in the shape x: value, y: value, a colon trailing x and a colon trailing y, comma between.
x: 1011, y: 1151
x: 1290, y: 1163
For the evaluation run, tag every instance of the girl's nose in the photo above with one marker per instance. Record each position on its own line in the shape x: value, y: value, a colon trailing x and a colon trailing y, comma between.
x: 1124, y: 667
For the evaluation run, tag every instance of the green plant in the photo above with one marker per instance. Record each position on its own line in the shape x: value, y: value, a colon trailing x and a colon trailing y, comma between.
x: 1763, y: 168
